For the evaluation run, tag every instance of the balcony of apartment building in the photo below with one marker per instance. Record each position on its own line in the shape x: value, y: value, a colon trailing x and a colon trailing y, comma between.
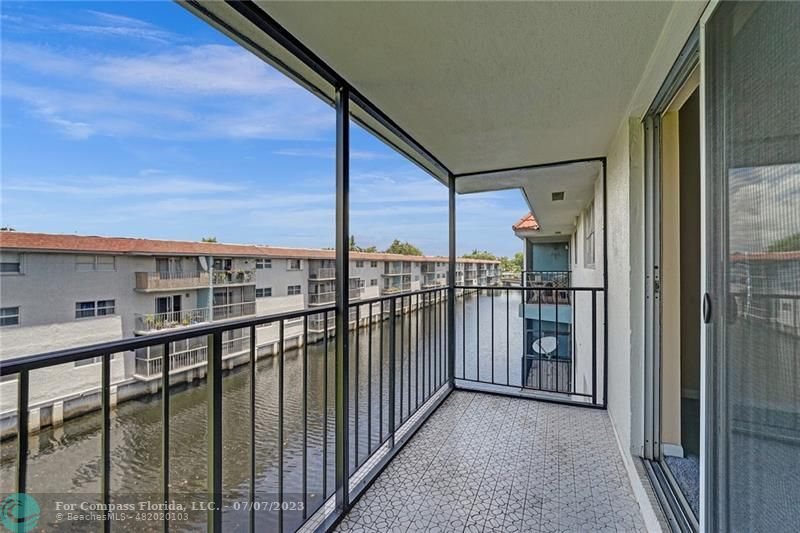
x: 329, y: 297
x: 147, y: 323
x: 396, y: 268
x: 187, y: 355
x: 467, y: 412
x: 171, y: 280
x: 323, y: 291
x: 221, y: 278
x: 557, y: 281
x: 321, y: 270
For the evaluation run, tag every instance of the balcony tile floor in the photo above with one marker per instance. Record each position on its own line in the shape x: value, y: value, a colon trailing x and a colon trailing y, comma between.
x: 492, y: 463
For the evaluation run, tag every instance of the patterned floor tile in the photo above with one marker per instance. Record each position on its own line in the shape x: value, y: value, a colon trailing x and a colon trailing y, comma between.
x: 492, y: 463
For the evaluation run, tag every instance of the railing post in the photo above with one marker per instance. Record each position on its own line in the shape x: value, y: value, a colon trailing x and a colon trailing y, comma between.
x: 165, y: 360
x: 342, y: 298
x: 23, y: 385
x: 214, y: 391
x: 392, y: 354
x: 105, y: 438
x: 451, y: 283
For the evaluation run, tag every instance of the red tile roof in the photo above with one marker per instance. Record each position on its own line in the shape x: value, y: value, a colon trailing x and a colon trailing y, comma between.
x: 528, y: 222
x: 766, y: 256
x: 49, y: 242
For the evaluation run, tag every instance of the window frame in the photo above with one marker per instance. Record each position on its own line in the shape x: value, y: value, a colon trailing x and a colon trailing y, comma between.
x: 290, y: 290
x: 94, y: 264
x: 263, y: 292
x: 19, y: 262
x: 4, y: 317
x: 107, y: 309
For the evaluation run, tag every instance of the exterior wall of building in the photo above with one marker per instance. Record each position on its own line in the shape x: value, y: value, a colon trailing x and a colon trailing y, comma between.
x: 62, y: 381
x: 588, y: 273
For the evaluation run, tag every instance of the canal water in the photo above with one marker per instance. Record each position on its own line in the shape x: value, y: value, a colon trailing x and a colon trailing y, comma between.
x: 64, y: 463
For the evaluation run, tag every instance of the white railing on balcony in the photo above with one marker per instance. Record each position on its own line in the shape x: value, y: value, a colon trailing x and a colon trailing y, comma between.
x: 145, y: 323
x: 323, y: 273
x: 191, y: 357
x: 233, y: 277
x: 321, y: 298
x: 168, y: 280
x: 328, y: 297
x: 396, y: 270
x: 235, y: 310
x: 394, y: 289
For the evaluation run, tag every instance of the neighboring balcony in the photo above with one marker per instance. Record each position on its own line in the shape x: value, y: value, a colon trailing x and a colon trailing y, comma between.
x: 396, y: 289
x: 397, y: 270
x: 235, y: 310
x: 558, y: 280
x: 149, y: 366
x: 170, y: 281
x: 322, y: 273
x: 234, y: 277
x: 145, y: 323
x: 329, y: 297
x: 150, y: 322
x: 430, y: 280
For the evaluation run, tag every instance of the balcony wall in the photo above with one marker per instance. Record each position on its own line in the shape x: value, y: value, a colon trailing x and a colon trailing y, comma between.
x: 168, y: 281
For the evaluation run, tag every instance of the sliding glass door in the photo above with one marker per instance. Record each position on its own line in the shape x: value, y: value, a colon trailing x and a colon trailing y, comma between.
x: 752, y: 97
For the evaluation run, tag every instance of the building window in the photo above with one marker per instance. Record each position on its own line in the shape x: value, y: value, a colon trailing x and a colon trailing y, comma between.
x: 263, y: 263
x: 92, y: 309
x: 373, y: 264
x: 105, y: 307
x: 9, y: 316
x: 95, y: 263
x: 373, y: 283
x: 294, y: 264
x: 588, y: 236
x: 10, y: 263
x: 359, y: 264
x: 265, y: 292
x: 294, y: 290
x: 362, y: 283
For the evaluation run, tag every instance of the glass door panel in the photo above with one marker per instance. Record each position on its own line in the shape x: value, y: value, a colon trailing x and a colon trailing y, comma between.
x: 753, y: 266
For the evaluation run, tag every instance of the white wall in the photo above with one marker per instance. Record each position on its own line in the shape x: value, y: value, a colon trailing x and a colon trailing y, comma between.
x: 584, y: 275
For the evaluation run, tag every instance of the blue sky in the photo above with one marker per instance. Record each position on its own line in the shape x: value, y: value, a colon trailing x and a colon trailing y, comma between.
x: 137, y: 119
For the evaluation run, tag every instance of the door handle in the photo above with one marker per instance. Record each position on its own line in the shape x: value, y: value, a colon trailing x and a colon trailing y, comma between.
x: 706, y: 308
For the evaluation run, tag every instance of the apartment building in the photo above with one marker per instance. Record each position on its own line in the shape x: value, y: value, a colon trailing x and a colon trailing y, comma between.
x: 59, y: 290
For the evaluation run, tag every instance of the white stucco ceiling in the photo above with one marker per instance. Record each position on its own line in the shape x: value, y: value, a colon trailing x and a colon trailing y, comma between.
x: 487, y: 85
x: 575, y: 180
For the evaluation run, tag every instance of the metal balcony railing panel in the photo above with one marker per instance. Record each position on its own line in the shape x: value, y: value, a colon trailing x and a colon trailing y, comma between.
x: 234, y: 310
x: 322, y: 273
x: 149, y: 322
x: 399, y: 370
x: 233, y: 277
x: 509, y: 338
x: 329, y: 297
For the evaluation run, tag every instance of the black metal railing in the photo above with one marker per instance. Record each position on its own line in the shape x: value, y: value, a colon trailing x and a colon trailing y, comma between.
x: 508, y: 338
x: 399, y: 376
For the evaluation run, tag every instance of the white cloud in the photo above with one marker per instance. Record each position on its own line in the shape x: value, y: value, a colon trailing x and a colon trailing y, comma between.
x: 193, y: 70
x: 147, y: 184
x: 188, y: 92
